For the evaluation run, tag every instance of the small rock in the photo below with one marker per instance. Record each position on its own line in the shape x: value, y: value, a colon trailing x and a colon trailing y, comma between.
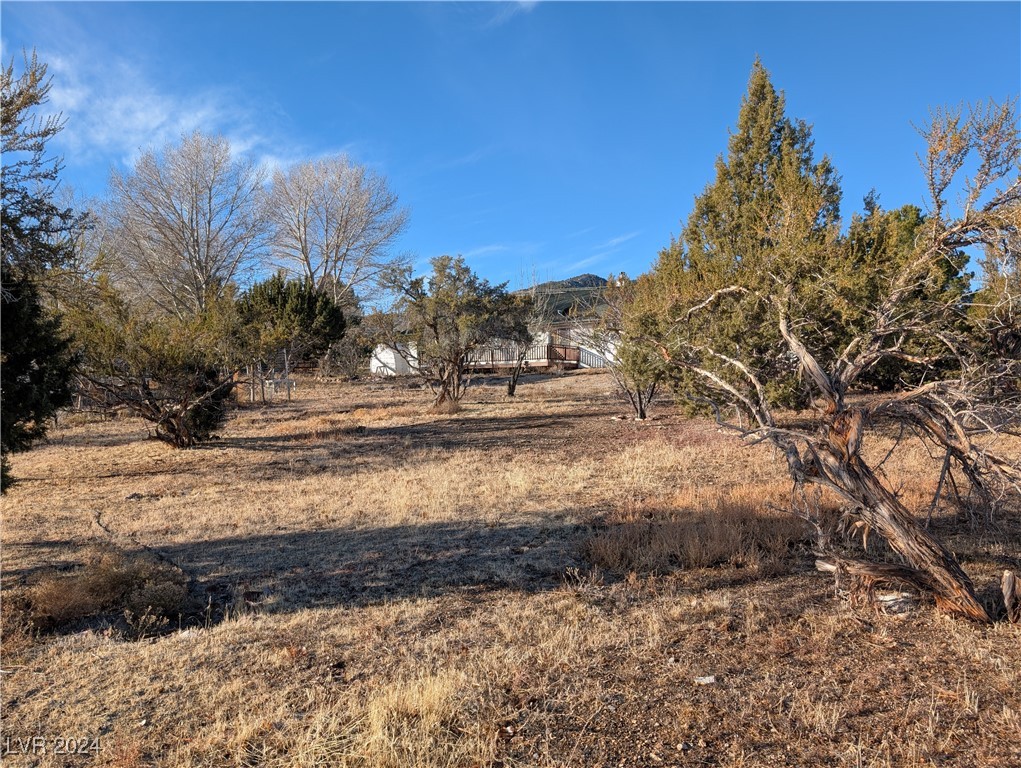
x: 707, y: 680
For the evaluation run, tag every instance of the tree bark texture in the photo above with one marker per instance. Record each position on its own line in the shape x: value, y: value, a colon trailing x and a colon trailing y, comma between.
x: 1011, y: 588
x: 839, y: 463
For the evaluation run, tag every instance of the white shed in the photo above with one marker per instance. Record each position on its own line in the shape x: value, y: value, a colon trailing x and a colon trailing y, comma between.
x: 387, y: 361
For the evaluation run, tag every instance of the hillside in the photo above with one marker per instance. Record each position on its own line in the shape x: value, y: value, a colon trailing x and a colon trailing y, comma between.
x: 581, y: 281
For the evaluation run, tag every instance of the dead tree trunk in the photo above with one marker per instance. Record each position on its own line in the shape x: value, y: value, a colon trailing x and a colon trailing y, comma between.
x: 1011, y: 588
x: 879, y: 509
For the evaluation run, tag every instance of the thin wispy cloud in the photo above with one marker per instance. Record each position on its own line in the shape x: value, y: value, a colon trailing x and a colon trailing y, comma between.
x: 613, y: 242
x: 507, y: 11
x: 433, y: 164
x: 469, y: 158
x: 272, y: 161
x: 587, y: 262
x: 113, y: 111
x: 519, y: 248
x: 486, y: 250
x: 605, y: 253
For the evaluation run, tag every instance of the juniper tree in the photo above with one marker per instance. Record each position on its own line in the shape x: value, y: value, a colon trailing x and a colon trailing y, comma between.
x: 439, y: 321
x: 768, y: 178
x: 763, y: 293
x: 996, y: 306
x: 173, y: 373
x: 621, y: 337
x: 281, y: 314
x: 35, y: 236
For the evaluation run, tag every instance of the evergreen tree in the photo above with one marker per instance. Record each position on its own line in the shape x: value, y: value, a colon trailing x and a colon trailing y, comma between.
x: 767, y: 221
x: 36, y: 232
x: 281, y: 314
x: 995, y: 308
x: 35, y: 235
x: 763, y: 300
x: 637, y: 369
x: 165, y: 370
x: 441, y: 320
x: 36, y: 366
x: 878, y: 245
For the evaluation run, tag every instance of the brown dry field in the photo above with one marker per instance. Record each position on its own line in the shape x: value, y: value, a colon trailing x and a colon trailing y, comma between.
x: 528, y: 582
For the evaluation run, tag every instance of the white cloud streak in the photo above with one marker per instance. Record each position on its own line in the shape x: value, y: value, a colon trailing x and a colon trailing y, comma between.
x: 619, y: 240
x: 582, y: 263
x: 523, y: 248
x: 486, y: 250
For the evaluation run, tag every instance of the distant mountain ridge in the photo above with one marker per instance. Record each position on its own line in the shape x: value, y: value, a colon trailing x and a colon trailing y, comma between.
x: 587, y: 280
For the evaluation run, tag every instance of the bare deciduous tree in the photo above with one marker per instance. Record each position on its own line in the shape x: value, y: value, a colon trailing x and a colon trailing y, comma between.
x: 335, y: 224
x: 538, y: 312
x: 185, y: 221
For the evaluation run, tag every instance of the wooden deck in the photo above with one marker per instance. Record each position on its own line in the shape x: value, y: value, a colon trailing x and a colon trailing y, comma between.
x: 538, y: 356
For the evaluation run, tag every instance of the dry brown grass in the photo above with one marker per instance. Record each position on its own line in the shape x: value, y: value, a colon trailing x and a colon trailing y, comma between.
x: 733, y: 534
x: 526, y: 582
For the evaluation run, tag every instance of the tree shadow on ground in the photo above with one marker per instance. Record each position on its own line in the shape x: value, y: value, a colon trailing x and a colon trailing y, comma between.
x: 357, y: 567
x: 517, y: 432
x: 352, y: 567
x: 331, y: 568
x: 523, y: 432
x: 498, y: 380
x: 132, y: 432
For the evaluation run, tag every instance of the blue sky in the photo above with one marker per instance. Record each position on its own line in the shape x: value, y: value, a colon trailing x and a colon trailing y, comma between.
x: 536, y: 139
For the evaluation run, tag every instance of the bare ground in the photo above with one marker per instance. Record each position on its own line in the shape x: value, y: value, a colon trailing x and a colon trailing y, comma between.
x: 529, y: 582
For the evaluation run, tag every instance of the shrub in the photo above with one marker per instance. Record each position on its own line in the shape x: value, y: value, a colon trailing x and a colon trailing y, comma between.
x: 168, y: 371
x: 111, y: 584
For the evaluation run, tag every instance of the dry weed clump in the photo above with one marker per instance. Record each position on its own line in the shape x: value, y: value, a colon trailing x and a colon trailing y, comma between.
x: 734, y: 534
x: 446, y: 408
x: 385, y: 413
x: 139, y: 589
x: 421, y: 722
